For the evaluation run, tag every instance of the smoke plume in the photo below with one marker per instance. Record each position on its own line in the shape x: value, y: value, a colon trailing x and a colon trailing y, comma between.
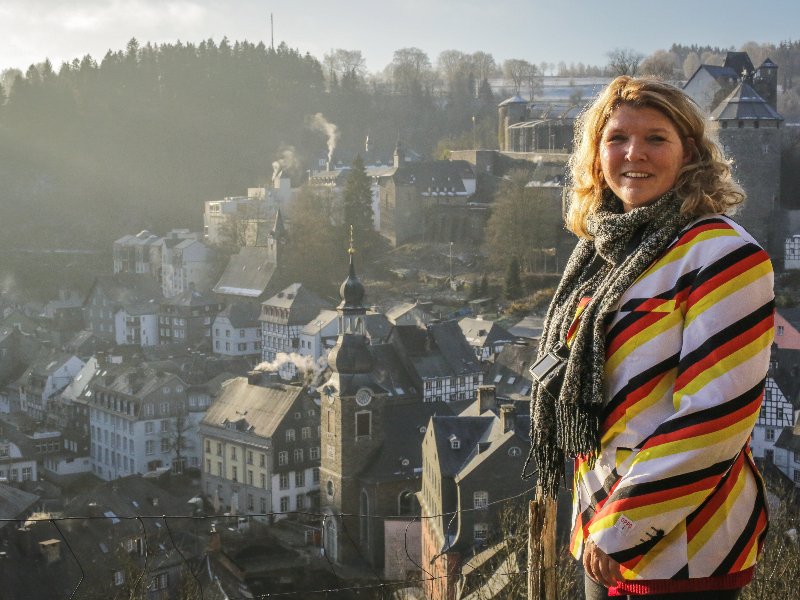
x: 310, y: 370
x: 286, y: 160
x: 320, y: 123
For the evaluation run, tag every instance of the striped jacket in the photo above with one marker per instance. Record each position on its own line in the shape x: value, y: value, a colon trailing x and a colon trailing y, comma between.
x: 674, y: 495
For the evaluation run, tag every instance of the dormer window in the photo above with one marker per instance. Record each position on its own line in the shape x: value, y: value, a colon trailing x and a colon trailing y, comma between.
x: 455, y: 443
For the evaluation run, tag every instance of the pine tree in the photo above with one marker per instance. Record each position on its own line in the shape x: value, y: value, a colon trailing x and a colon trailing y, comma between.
x: 484, y: 289
x: 513, y: 283
x: 357, y: 198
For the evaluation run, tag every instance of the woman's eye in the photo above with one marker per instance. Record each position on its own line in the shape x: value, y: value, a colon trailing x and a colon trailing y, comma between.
x: 615, y: 137
x: 657, y: 138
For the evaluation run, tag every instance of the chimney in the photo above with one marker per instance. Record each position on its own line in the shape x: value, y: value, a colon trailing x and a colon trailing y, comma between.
x: 51, y: 550
x: 486, y: 398
x: 508, y: 415
x: 253, y: 377
x: 214, y: 541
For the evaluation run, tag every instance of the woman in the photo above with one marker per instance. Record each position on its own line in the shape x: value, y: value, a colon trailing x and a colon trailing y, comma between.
x: 667, y: 307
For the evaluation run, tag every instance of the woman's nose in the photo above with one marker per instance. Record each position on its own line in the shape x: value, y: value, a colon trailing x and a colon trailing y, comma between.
x: 634, y: 150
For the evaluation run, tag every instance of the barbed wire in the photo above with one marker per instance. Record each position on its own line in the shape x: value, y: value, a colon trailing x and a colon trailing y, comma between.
x: 208, y: 587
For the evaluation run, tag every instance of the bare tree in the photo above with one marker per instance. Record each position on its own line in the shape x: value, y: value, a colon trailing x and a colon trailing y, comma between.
x: 661, y: 64
x: 411, y: 71
x: 690, y: 64
x: 484, y: 65
x: 346, y: 63
x: 522, y: 74
x: 624, y: 61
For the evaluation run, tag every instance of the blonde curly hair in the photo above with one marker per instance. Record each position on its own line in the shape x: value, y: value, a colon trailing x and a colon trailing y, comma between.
x: 705, y: 184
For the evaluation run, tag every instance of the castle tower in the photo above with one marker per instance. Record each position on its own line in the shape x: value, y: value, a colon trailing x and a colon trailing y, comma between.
x: 509, y: 111
x: 750, y: 132
x: 765, y: 82
x: 351, y: 428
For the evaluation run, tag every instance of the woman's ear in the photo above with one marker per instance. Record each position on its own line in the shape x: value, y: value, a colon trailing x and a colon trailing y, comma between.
x: 689, y: 150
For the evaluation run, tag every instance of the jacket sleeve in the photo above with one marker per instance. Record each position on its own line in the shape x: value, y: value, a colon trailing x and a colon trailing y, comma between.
x: 727, y: 332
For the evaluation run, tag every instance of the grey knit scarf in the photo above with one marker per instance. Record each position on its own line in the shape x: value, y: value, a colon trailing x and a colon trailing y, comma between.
x: 571, y: 426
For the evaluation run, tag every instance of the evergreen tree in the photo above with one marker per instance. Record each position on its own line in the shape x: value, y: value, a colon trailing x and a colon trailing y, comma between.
x: 484, y: 289
x: 513, y: 283
x: 357, y: 198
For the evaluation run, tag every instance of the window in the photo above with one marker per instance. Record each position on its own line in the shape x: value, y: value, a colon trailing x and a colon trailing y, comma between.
x: 263, y: 481
x: 149, y: 447
x: 480, y: 532
x: 148, y: 427
x: 208, y: 446
x: 363, y: 424
x: 234, y: 474
x: 251, y: 505
x: 219, y: 449
x: 313, y: 453
x: 797, y: 476
x: 298, y: 455
x: 299, y: 479
x: 119, y: 577
x: 233, y: 452
x: 480, y: 499
x: 262, y: 460
x: 515, y: 451
x: 305, y: 433
x: 315, y: 475
x: 242, y: 347
x: 283, y: 457
x: 208, y: 465
x: 165, y: 445
x: 263, y: 505
x: 329, y: 488
x: 284, y: 504
x: 779, y: 330
x: 290, y: 435
x: 149, y: 410
x: 455, y: 443
x: 164, y: 425
x: 284, y: 481
x: 241, y: 333
x: 27, y: 473
x: 769, y: 434
x: 249, y: 457
x: 249, y: 477
x: 407, y: 503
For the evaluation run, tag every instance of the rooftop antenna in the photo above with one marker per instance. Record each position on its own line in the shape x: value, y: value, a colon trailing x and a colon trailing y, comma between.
x: 272, y: 32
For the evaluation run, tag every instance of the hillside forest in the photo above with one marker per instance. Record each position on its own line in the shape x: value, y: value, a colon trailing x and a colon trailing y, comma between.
x: 93, y: 149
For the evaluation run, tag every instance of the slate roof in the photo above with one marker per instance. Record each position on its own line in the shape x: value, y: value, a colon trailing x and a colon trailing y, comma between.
x: 14, y: 503
x: 789, y: 439
x: 404, y: 429
x: 509, y: 374
x: 468, y: 430
x: 479, y: 332
x: 377, y: 327
x: 303, y: 304
x: 389, y: 376
x: 247, y: 274
x: 513, y: 100
x: 438, y: 351
x: 257, y: 409
x: 742, y: 104
x: 400, y: 310
x: 191, y: 298
x: 440, y: 176
x: 128, y: 290
x: 739, y: 62
x: 323, y: 318
x: 529, y: 327
x: 242, y: 314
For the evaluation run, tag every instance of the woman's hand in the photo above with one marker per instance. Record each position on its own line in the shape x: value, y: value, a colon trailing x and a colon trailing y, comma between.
x: 599, y: 566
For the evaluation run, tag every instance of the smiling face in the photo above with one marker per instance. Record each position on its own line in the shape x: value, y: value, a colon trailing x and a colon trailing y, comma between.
x: 641, y: 154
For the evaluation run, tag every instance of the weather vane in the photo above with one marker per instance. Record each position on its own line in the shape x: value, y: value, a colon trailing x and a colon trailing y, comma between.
x: 351, y: 249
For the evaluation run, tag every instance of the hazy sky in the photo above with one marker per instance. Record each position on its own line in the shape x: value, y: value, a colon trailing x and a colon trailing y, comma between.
x: 568, y: 30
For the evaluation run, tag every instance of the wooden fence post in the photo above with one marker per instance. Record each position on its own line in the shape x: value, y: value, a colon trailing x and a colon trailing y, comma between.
x: 542, y: 576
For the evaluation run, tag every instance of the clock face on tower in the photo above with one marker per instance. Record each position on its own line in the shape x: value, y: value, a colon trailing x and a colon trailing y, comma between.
x: 363, y: 397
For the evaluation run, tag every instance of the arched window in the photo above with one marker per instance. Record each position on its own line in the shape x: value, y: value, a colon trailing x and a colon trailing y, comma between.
x: 407, y: 504
x: 329, y: 488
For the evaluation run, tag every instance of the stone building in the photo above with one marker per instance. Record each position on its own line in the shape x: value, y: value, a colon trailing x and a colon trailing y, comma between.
x: 261, y: 448
x: 471, y: 467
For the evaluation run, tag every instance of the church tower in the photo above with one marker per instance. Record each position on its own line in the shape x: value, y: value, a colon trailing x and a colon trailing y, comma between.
x: 750, y: 132
x: 351, y: 427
